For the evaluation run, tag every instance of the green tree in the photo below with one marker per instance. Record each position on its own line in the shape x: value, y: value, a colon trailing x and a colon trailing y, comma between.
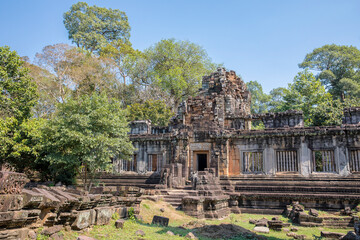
x: 259, y: 99
x: 87, y: 132
x: 305, y: 93
x: 339, y: 68
x: 154, y: 110
x: 17, y: 98
x: 17, y: 91
x: 124, y: 57
x: 93, y: 27
x: 330, y: 112
x: 178, y: 67
x: 276, y: 99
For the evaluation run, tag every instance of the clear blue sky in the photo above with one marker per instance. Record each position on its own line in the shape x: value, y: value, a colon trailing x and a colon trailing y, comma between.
x: 260, y: 40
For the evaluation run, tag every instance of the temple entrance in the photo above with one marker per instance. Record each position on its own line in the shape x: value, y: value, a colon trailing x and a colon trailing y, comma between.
x: 201, y: 162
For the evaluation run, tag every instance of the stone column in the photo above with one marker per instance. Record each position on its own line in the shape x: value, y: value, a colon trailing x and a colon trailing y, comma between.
x: 342, y: 161
x: 305, y: 159
x: 269, y: 161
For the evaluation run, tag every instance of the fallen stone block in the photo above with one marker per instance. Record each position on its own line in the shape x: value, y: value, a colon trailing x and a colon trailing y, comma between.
x: 140, y: 233
x: 32, y: 234
x: 85, y: 238
x: 190, y: 235
x: 350, y: 236
x: 15, y: 234
x: 333, y: 235
x: 163, y: 221
x: 103, y: 215
x: 119, y: 223
x: 263, y: 222
x: 51, y: 230
x: 296, y: 236
x: 313, y: 212
x: 261, y: 229
x: 84, y: 219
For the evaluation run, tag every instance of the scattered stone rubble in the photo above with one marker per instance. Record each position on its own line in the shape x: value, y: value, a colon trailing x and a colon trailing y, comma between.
x: 53, y: 208
x: 297, y: 214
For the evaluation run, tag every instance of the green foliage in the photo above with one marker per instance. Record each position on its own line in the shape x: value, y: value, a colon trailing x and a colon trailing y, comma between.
x: 178, y: 67
x: 259, y: 99
x: 18, y: 133
x: 146, y: 206
x: 154, y: 110
x: 276, y: 99
x: 17, y: 91
x: 330, y: 112
x: 88, y: 132
x: 93, y: 27
x: 131, y: 213
x: 115, y: 216
x: 125, y: 58
x: 339, y: 68
x: 305, y: 93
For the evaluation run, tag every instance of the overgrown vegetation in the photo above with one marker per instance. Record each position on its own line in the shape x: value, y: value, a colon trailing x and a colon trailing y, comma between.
x: 178, y: 218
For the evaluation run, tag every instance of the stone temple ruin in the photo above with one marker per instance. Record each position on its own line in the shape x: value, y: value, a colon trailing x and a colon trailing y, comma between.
x: 209, y: 163
x: 210, y: 144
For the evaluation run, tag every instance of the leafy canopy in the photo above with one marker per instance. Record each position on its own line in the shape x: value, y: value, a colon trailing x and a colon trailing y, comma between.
x: 154, y: 110
x: 305, y: 93
x: 339, y: 68
x: 88, y: 131
x: 259, y: 99
x: 178, y: 67
x: 17, y: 91
x: 93, y: 27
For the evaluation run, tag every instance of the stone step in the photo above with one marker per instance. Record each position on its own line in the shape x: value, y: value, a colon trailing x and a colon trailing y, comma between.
x: 298, y: 189
x: 296, y: 195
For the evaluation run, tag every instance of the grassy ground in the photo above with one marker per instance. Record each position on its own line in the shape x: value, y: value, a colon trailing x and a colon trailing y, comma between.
x: 178, y: 218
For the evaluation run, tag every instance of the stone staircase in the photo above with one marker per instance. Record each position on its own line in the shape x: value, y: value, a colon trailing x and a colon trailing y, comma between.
x: 174, y: 196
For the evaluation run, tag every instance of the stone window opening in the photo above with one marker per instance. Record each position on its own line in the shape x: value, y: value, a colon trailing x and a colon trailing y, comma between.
x: 252, y: 162
x: 323, y: 161
x: 286, y: 161
x: 154, y: 162
x: 355, y: 160
x: 128, y: 165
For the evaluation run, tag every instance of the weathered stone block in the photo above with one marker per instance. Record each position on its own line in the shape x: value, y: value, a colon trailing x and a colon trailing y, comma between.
x: 51, y: 230
x: 163, y: 221
x: 103, y: 215
x: 84, y: 219
x: 119, y: 223
x: 14, y: 234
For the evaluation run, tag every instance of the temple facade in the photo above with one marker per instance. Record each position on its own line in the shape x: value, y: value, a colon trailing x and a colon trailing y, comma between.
x: 213, y: 130
x: 260, y: 171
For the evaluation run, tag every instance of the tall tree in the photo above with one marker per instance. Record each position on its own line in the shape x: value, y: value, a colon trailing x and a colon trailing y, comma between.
x: 93, y: 27
x: 89, y: 73
x: 124, y: 57
x: 52, y: 76
x: 17, y: 91
x: 17, y: 98
x: 178, y: 67
x: 259, y: 99
x: 331, y: 112
x: 87, y: 131
x: 154, y: 110
x: 339, y: 68
x: 305, y: 93
x: 276, y: 99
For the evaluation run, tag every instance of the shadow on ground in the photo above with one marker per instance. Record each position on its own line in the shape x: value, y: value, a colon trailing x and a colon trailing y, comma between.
x: 221, y: 231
